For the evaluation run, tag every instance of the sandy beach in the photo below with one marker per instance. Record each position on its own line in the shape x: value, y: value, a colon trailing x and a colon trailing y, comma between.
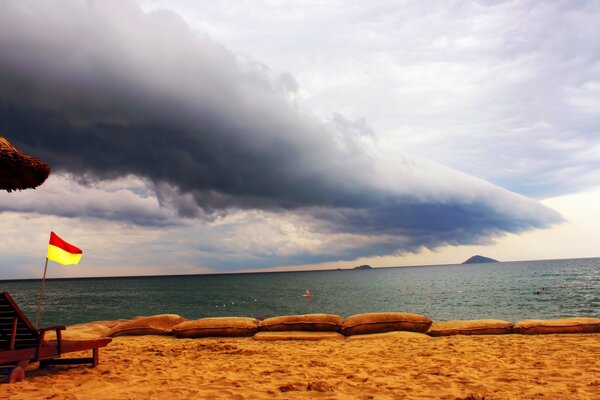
x: 394, y: 367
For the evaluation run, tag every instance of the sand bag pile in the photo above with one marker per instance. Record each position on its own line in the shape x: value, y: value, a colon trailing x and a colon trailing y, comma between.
x: 300, y: 327
x: 217, y: 327
x: 298, y: 335
x: 85, y: 331
x: 304, y: 323
x: 360, y: 324
x: 110, y: 323
x: 155, y: 325
x: 565, y: 325
x: 471, y: 327
x: 402, y: 335
x: 79, y: 332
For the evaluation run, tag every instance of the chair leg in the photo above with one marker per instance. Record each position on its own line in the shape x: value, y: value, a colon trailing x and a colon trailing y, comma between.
x: 95, y: 356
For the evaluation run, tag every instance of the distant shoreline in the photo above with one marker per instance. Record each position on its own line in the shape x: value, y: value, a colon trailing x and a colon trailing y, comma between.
x: 283, y: 272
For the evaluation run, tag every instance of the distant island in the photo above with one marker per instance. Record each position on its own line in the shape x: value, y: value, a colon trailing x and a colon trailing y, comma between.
x: 480, y: 260
x: 363, y: 267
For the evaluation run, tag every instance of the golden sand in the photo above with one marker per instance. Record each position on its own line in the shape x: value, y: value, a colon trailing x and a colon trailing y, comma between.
x: 388, y: 367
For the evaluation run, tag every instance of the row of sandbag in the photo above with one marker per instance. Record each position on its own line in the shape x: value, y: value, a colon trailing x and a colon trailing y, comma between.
x: 359, y: 324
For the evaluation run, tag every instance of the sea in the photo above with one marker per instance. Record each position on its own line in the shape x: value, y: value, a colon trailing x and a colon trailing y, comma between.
x: 506, y: 290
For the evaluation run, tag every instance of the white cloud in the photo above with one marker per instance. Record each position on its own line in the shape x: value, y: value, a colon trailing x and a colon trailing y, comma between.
x: 125, y: 199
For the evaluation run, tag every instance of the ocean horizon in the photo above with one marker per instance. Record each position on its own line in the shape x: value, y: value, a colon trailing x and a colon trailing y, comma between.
x: 512, y: 290
x: 243, y: 272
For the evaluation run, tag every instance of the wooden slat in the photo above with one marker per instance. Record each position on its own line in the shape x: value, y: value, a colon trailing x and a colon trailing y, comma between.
x: 22, y: 317
x: 22, y: 336
x: 8, y: 327
x: 19, y: 331
x: 25, y: 335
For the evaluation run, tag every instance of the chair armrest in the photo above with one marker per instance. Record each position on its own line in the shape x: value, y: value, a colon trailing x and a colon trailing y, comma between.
x: 52, y: 328
x: 57, y: 328
x: 42, y: 333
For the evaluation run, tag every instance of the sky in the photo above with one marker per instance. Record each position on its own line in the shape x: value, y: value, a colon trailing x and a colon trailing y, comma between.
x: 207, y: 137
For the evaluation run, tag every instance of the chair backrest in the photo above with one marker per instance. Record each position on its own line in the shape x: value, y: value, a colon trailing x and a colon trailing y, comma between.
x: 16, y: 331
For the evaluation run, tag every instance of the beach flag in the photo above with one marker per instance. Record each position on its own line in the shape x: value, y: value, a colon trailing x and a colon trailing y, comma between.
x: 63, y: 252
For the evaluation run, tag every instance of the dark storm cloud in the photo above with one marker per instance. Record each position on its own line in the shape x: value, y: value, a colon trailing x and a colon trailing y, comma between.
x: 102, y: 91
x: 105, y: 90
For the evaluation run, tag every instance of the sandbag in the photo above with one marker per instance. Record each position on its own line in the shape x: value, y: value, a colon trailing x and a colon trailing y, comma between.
x: 297, y: 335
x: 565, y: 325
x: 307, y: 322
x: 390, y: 335
x: 109, y: 323
x: 471, y: 327
x: 155, y: 325
x: 360, y: 324
x: 90, y: 330
x: 217, y: 327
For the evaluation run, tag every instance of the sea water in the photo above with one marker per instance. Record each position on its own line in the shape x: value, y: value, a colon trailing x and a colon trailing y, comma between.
x: 507, y: 290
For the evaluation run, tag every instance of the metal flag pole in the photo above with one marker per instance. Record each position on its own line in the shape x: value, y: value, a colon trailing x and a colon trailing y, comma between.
x: 41, y: 299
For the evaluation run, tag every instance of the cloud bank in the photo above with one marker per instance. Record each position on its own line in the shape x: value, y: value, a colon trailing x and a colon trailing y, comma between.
x: 105, y: 92
x: 508, y: 91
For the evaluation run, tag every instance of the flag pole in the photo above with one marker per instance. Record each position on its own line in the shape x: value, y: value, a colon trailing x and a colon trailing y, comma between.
x: 41, y: 299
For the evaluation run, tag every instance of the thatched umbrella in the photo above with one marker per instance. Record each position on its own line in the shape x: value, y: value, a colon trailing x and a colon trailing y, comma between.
x: 19, y: 171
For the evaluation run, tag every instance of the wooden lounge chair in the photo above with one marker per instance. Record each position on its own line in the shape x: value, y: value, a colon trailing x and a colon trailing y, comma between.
x: 21, y: 343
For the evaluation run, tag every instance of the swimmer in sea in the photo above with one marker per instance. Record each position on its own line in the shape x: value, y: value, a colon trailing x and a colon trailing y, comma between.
x: 307, y: 293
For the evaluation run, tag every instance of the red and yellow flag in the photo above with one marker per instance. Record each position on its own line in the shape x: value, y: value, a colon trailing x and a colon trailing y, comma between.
x: 63, y: 252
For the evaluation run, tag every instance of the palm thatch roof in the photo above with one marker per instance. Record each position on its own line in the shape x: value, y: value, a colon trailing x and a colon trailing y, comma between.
x: 19, y: 171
